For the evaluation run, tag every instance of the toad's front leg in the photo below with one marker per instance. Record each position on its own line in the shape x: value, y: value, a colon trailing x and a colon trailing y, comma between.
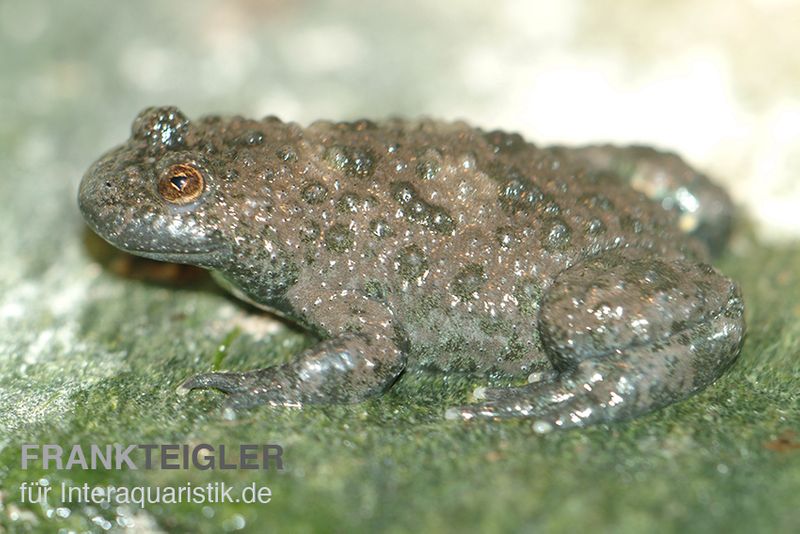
x: 626, y: 334
x: 361, y: 357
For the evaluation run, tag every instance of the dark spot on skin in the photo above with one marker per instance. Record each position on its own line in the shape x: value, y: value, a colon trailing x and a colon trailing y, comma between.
x: 403, y: 192
x: 596, y: 201
x: 631, y: 224
x: 287, y: 154
x: 231, y: 175
x: 429, y: 165
x: 441, y: 221
x: 427, y: 170
x: 339, y: 237
x: 677, y: 326
x: 412, y: 262
x: 348, y: 202
x: 250, y: 138
x: 419, y: 211
x: 650, y: 276
x: 314, y: 193
x: 595, y: 227
x: 181, y: 184
x: 380, y: 228
x: 309, y: 231
x: 705, y: 268
x: 492, y: 326
x: 354, y: 161
x: 551, y: 207
x: 208, y: 148
x: 422, y: 307
x: 528, y: 293
x: 503, y: 174
x: 504, y: 142
x: 558, y: 234
x: 164, y: 127
x: 505, y: 236
x: 246, y: 159
x: 375, y: 290
x: 515, y: 349
x: 468, y: 281
x: 338, y: 157
x: 519, y: 195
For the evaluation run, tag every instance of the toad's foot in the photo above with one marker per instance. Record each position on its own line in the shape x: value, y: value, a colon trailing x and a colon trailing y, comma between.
x: 627, y: 334
x: 348, y: 368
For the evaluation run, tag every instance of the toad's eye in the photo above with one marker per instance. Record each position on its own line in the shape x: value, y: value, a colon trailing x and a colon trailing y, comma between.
x: 181, y: 183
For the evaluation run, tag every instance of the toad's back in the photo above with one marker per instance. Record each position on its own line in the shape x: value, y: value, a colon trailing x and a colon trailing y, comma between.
x: 459, y: 231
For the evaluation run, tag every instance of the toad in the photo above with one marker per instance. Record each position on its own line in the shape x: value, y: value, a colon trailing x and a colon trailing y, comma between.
x: 579, y: 276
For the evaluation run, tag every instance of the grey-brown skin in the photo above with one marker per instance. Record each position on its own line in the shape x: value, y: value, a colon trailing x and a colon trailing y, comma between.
x: 418, y: 245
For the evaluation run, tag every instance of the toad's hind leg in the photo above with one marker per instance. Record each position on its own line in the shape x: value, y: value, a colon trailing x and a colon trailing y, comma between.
x: 626, y: 334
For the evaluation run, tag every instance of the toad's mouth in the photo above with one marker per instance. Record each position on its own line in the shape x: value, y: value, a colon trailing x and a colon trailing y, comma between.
x: 176, y: 251
x: 201, y: 257
x: 198, y: 249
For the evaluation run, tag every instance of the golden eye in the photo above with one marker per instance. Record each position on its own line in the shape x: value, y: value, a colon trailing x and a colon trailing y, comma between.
x: 181, y: 183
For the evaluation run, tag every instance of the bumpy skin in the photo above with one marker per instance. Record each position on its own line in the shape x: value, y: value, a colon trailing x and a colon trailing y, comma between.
x: 430, y: 245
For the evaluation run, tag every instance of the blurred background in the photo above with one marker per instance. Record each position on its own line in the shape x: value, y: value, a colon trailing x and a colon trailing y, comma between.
x: 90, y: 353
x: 716, y: 81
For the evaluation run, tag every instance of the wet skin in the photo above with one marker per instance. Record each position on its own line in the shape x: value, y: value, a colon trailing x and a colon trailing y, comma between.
x: 415, y: 245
